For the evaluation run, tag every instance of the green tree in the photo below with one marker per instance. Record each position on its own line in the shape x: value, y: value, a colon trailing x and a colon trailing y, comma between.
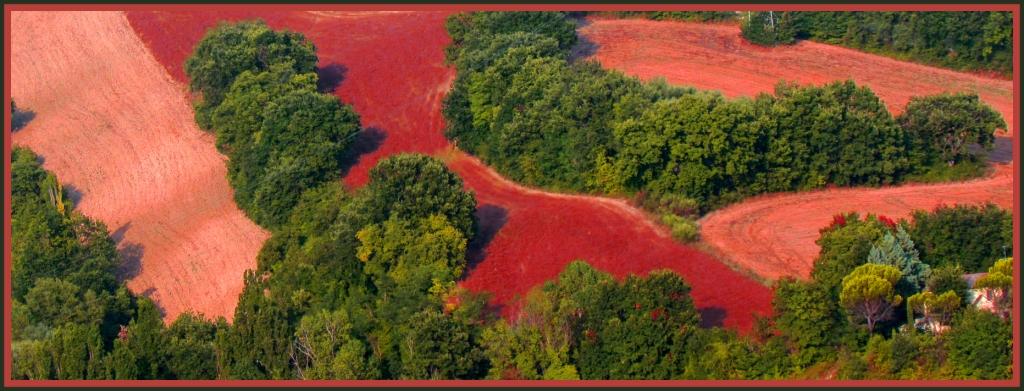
x: 411, y: 187
x: 768, y: 28
x: 190, y: 350
x: 844, y: 247
x: 869, y: 293
x: 228, y: 50
x: 972, y: 236
x: 140, y: 352
x: 324, y: 348
x: 805, y: 314
x: 949, y: 278
x: 898, y: 251
x: 435, y: 346
x: 980, y: 346
x: 942, y: 126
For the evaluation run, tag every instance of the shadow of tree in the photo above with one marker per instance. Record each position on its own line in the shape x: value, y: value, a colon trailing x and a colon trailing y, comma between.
x: 711, y: 316
x: 366, y: 141
x: 330, y: 77
x: 490, y: 219
x: 20, y: 117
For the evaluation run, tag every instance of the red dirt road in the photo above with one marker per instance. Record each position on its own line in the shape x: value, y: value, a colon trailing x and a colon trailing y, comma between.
x: 715, y: 57
x: 395, y: 78
x: 118, y: 131
x: 774, y: 235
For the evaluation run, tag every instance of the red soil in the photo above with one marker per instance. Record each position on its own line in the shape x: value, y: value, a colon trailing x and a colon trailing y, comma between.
x: 715, y: 57
x: 396, y: 78
x: 774, y: 235
x: 118, y: 131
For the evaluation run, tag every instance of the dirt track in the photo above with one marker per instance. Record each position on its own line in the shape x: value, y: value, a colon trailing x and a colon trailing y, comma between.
x: 118, y: 131
x: 396, y: 84
x: 774, y: 235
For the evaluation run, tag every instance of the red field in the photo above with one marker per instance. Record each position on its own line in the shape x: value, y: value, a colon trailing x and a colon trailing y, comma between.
x: 774, y: 235
x: 715, y: 57
x: 118, y: 131
x: 395, y: 77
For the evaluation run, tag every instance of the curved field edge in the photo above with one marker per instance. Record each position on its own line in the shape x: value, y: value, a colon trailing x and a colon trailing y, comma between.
x: 774, y: 235
x: 119, y: 133
x: 397, y: 85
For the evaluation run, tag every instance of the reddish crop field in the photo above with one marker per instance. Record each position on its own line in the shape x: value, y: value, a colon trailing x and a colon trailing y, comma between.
x: 119, y: 133
x: 394, y: 75
x: 773, y: 235
x: 715, y: 57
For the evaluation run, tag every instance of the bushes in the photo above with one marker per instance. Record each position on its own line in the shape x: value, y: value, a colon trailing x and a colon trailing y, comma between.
x: 259, y: 96
x: 971, y: 236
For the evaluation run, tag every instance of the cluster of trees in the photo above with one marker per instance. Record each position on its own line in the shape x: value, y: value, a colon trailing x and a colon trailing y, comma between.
x: 70, y: 318
x: 960, y: 40
x: 362, y: 286
x: 259, y: 95
x: 694, y: 16
x: 523, y: 107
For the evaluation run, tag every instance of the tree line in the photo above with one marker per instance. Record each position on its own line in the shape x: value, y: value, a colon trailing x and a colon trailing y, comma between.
x: 524, y: 107
x: 975, y: 41
x: 362, y: 286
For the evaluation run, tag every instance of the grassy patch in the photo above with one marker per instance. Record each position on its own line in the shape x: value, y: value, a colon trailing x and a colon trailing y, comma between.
x: 941, y: 172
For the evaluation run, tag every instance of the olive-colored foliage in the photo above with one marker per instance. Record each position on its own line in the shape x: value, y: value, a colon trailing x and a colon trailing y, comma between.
x: 257, y: 344
x: 471, y: 30
x: 948, y: 278
x: 768, y: 28
x: 416, y: 257
x: 696, y: 16
x: 944, y: 126
x: 437, y: 346
x: 806, y: 315
x: 139, y: 352
x: 412, y: 187
x: 50, y: 239
x: 324, y: 349
x: 719, y: 354
x: 869, y: 293
x: 959, y: 40
x: 844, y: 247
x: 971, y: 236
x: 228, y: 50
x: 190, y: 350
x: 980, y: 346
x: 282, y: 137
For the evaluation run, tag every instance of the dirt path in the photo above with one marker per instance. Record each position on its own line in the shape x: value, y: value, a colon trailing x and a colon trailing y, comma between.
x: 118, y: 131
x: 774, y: 235
x: 715, y: 57
x: 528, y: 236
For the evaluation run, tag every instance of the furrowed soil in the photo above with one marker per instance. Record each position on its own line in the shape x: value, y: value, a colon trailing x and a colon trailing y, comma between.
x: 773, y: 235
x: 118, y: 131
x: 714, y: 56
x: 390, y: 67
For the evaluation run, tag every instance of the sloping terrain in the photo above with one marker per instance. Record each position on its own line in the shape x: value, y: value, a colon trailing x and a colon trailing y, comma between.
x: 390, y: 66
x: 118, y: 131
x: 715, y: 57
x: 774, y: 235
